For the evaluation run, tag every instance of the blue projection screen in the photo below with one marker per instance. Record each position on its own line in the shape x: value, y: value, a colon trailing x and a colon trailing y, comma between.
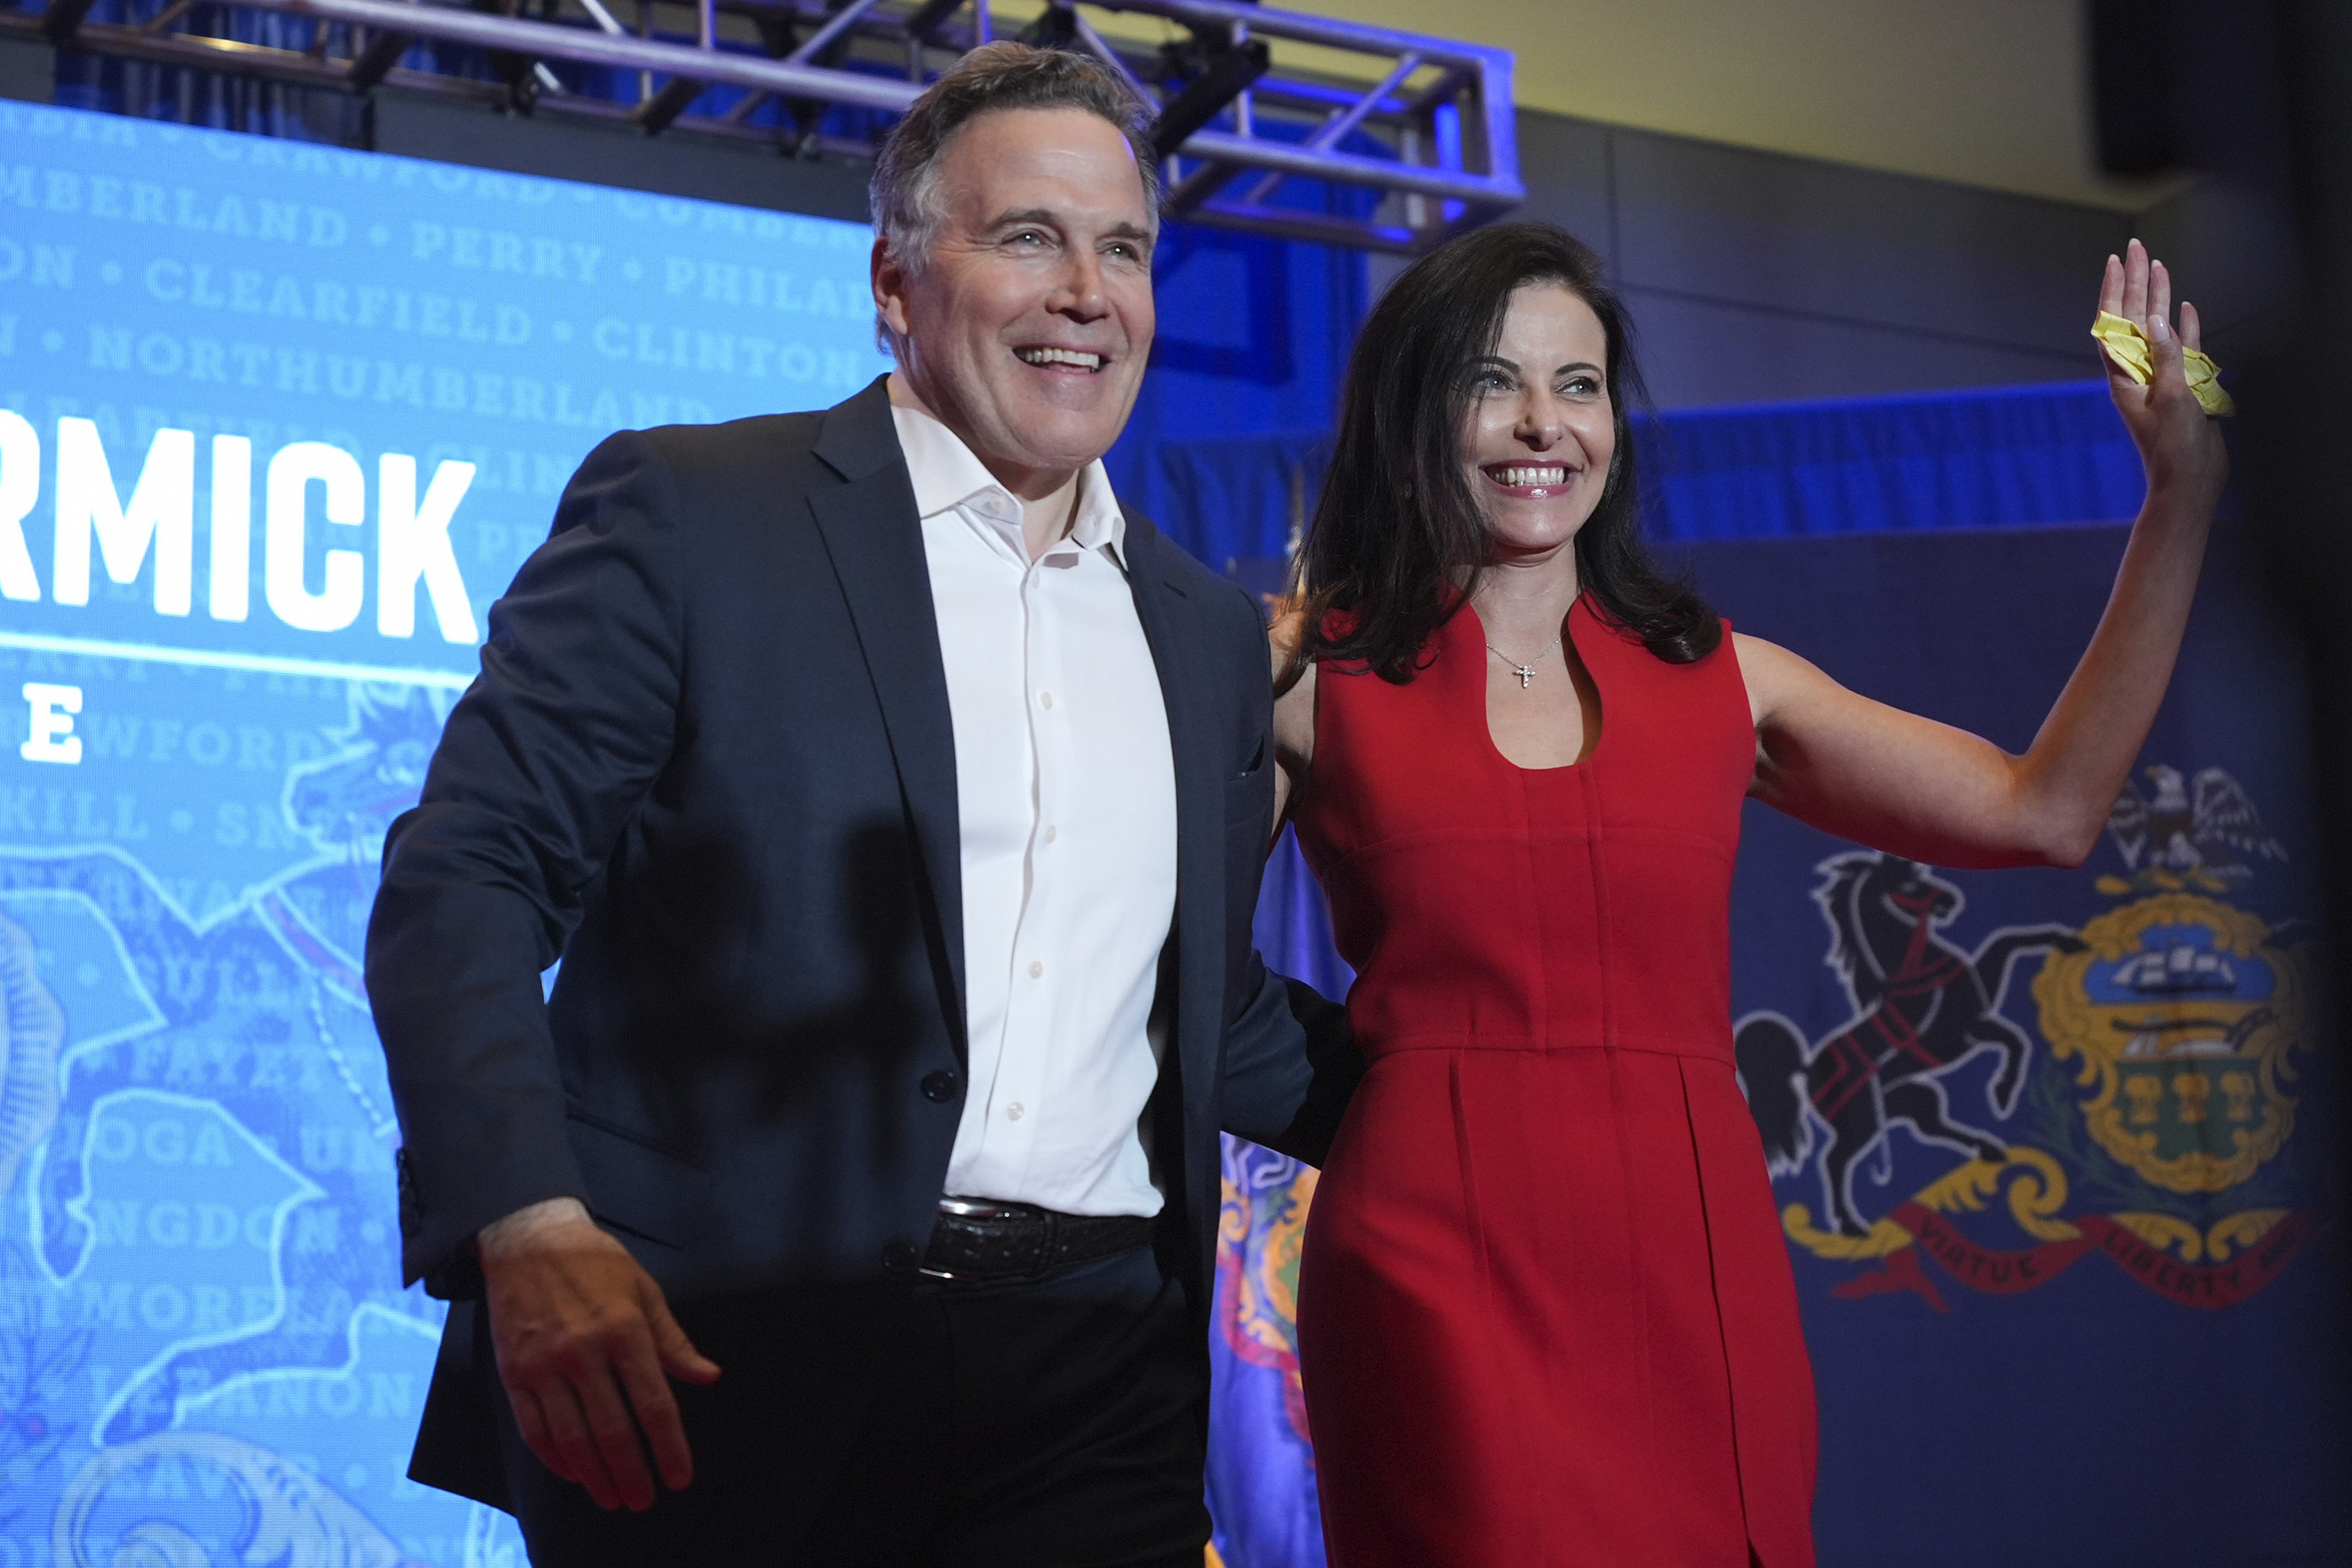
x: 277, y: 425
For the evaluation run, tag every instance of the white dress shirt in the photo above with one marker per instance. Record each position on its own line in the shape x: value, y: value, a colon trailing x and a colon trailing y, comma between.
x: 1066, y: 794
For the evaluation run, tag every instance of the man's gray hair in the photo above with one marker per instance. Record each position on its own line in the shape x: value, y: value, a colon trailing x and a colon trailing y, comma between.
x: 905, y: 190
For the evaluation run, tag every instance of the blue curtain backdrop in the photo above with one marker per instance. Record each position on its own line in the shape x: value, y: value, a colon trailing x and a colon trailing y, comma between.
x: 2114, y: 1345
x: 1994, y: 458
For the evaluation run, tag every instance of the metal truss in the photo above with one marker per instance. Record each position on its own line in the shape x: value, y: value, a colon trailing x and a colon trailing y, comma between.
x: 1412, y: 138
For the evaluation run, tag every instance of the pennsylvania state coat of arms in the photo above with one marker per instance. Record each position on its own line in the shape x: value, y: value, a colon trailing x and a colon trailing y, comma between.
x: 2174, y: 1026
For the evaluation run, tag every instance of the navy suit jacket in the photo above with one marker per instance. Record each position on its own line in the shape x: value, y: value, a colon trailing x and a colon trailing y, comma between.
x: 710, y: 764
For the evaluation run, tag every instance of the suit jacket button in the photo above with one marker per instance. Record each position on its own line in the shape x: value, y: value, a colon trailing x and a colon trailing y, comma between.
x: 899, y: 1256
x: 938, y: 1088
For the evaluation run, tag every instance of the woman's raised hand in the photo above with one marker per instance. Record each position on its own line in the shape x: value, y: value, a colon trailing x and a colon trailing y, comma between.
x: 1896, y: 781
x: 2180, y: 444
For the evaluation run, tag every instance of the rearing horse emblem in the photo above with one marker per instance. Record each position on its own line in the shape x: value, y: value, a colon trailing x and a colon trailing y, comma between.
x: 1921, y: 1007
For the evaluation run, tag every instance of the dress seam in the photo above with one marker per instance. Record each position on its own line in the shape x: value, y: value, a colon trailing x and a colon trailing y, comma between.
x: 1648, y: 1368
x: 1474, y: 1223
x: 1602, y: 954
x: 1723, y: 1333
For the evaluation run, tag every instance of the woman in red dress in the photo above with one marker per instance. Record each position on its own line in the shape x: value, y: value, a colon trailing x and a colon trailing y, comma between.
x: 1546, y: 1315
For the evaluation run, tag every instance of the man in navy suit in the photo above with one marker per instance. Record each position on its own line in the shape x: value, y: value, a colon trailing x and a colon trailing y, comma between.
x: 896, y: 802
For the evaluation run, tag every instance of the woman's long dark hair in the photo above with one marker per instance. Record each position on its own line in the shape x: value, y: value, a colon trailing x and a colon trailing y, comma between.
x: 1399, y: 529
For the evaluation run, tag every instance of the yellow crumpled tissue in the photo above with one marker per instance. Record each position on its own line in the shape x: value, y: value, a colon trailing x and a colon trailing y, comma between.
x: 2127, y: 344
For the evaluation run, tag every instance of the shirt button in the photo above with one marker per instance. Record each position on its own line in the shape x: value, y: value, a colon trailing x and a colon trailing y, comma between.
x: 899, y: 1256
x: 1036, y: 970
x: 1046, y: 698
x: 1052, y: 832
x: 1015, y: 1112
x: 938, y: 1088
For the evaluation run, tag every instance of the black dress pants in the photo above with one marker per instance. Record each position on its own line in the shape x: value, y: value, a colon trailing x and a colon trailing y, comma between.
x: 1050, y: 1422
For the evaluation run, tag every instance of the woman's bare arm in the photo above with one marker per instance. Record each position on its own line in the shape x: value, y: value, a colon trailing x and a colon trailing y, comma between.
x: 1294, y: 718
x: 1897, y: 781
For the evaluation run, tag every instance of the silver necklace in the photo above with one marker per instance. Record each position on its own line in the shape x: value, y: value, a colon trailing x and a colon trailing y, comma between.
x: 1527, y: 672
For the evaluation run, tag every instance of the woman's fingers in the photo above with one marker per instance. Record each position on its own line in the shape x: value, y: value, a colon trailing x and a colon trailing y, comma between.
x: 2135, y: 282
x: 2159, y: 291
x: 2164, y: 349
x: 2192, y: 335
x: 2111, y: 302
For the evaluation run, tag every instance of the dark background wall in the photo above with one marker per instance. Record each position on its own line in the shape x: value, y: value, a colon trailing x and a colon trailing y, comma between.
x: 1763, y: 277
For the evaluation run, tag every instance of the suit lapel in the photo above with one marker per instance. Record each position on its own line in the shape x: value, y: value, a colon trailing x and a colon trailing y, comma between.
x: 1192, y: 737
x: 874, y: 538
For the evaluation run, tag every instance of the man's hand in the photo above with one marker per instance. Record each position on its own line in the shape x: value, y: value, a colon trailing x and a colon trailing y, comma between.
x: 583, y: 1340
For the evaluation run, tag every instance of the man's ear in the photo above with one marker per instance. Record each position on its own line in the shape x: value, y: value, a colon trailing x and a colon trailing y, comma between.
x: 889, y: 281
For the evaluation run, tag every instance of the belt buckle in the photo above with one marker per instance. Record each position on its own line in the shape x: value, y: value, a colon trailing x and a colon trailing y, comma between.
x: 983, y: 1211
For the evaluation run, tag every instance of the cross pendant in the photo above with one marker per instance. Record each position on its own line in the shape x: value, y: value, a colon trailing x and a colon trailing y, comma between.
x: 1527, y: 674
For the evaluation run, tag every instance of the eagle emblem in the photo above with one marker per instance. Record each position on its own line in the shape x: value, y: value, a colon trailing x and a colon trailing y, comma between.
x: 2200, y: 831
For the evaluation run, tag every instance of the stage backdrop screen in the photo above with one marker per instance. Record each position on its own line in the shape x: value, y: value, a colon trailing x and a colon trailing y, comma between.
x: 277, y: 425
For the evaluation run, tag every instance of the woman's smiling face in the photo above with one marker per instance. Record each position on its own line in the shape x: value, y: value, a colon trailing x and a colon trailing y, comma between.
x: 1540, y: 431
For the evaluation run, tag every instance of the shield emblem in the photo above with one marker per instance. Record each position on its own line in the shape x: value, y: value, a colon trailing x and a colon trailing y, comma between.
x: 2178, y: 1018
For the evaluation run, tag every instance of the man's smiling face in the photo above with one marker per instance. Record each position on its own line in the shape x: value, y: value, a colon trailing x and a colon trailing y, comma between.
x: 1026, y: 330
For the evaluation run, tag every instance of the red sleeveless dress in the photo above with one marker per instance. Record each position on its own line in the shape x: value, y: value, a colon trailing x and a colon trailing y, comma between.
x: 1546, y: 1315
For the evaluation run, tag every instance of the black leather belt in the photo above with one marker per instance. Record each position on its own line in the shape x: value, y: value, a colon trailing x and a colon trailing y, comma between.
x: 975, y: 1238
